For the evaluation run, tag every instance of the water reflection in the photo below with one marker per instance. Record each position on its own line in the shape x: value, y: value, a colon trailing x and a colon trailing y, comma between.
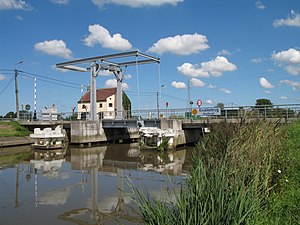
x: 90, y: 185
x: 90, y: 161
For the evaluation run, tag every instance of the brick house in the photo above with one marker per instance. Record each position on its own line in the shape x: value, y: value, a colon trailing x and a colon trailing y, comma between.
x: 106, y: 99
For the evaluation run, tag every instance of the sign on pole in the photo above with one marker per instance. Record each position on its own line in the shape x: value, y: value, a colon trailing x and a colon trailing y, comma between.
x: 194, y: 112
x: 210, y: 111
x: 199, y: 102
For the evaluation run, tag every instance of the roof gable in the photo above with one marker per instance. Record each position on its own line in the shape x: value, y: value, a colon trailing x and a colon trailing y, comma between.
x: 102, y: 94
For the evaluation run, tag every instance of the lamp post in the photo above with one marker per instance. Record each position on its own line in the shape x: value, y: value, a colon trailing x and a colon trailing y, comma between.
x: 158, y: 96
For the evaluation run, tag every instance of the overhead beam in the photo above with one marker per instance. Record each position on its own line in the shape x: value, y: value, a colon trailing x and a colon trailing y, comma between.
x: 138, y: 62
x: 107, y: 57
x: 75, y: 68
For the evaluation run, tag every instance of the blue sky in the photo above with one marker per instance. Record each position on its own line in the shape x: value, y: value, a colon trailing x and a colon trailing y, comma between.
x: 232, y: 52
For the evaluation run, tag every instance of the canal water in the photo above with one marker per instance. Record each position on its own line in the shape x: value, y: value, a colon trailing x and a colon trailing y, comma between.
x: 87, y: 185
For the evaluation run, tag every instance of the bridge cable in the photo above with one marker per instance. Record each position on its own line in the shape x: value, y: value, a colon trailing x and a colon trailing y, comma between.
x: 137, y: 81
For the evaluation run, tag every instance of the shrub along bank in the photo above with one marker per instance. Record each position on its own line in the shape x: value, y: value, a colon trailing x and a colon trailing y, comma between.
x: 240, y: 174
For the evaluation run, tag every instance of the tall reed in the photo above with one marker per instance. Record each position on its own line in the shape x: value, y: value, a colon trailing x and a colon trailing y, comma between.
x: 231, y: 175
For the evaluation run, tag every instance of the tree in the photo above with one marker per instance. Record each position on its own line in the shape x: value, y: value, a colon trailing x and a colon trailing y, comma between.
x: 126, y: 105
x: 263, y: 102
x: 10, y: 114
x: 220, y: 105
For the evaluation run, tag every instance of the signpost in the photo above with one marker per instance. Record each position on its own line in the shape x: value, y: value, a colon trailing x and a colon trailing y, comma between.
x: 195, y: 112
x: 213, y: 111
x: 199, y: 102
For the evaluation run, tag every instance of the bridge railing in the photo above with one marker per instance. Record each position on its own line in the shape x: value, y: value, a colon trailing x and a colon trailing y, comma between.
x: 286, y: 112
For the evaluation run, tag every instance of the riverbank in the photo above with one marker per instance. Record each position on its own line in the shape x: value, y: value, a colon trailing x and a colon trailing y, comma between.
x: 12, y: 134
x: 14, y: 141
x: 248, y: 174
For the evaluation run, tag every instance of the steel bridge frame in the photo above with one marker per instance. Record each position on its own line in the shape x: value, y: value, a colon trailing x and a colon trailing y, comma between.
x: 107, y: 62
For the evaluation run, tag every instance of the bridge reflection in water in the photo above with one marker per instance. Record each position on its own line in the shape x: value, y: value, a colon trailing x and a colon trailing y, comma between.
x: 109, y: 167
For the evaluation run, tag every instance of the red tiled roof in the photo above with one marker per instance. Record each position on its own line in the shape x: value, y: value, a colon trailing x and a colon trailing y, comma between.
x: 102, y: 95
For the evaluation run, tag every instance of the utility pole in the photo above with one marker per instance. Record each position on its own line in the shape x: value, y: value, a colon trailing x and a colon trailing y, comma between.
x: 189, y: 94
x: 17, y: 94
x: 17, y: 89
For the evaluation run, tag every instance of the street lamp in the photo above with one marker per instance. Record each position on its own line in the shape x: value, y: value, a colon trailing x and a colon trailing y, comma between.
x: 158, y: 97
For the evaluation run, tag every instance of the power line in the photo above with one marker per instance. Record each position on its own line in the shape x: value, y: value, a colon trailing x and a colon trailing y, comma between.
x: 7, y: 85
x: 53, y: 82
x: 175, y: 98
x: 36, y: 75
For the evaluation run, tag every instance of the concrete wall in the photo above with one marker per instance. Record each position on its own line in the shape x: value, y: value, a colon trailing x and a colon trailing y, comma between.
x: 173, y: 124
x: 183, y: 137
x: 92, y: 131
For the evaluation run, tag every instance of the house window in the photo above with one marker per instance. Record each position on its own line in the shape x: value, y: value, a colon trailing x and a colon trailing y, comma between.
x: 110, y: 105
x: 100, y: 105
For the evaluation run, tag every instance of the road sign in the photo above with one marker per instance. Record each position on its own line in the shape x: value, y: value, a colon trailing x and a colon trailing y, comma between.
x: 199, y: 102
x: 214, y: 111
x: 27, y: 107
x: 194, y: 111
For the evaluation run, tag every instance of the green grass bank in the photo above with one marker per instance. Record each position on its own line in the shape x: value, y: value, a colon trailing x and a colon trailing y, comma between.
x: 10, y: 129
x: 240, y: 174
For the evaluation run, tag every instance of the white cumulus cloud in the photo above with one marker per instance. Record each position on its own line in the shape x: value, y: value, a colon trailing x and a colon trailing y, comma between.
x: 2, y: 77
x: 211, y: 86
x: 218, y: 66
x: 180, y: 44
x: 54, y: 47
x: 62, y: 2
x: 294, y: 84
x: 179, y: 85
x: 283, y: 97
x: 259, y: 5
x: 267, y: 92
x: 289, y: 60
x: 224, y: 52
x: 14, y: 4
x: 209, y: 102
x: 136, y: 3
x: 293, y: 20
x: 226, y: 91
x: 100, y: 35
x: 113, y: 83
x: 257, y: 60
x: 127, y: 76
x: 191, y: 70
x: 196, y: 82
x: 265, y: 83
x: 215, y: 67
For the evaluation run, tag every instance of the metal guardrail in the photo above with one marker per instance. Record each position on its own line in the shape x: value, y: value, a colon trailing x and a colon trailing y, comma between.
x: 242, y: 112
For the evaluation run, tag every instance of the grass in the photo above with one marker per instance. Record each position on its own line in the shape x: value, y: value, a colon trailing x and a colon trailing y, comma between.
x: 9, y: 129
x: 283, y: 203
x: 240, y: 174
